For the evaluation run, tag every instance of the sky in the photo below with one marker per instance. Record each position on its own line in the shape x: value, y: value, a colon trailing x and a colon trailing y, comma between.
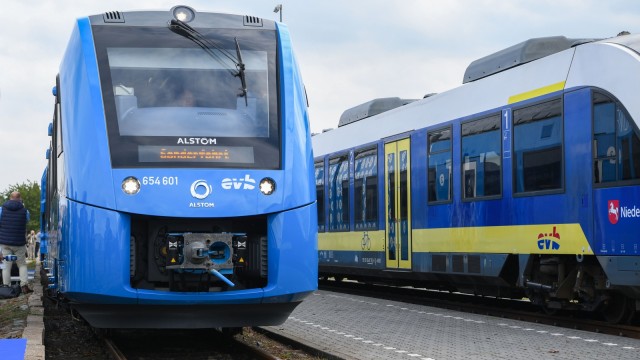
x: 349, y: 51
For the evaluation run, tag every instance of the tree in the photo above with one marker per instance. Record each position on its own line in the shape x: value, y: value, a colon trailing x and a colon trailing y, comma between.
x: 30, y: 192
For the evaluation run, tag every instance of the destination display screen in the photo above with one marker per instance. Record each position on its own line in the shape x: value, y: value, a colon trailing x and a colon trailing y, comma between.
x: 197, y: 154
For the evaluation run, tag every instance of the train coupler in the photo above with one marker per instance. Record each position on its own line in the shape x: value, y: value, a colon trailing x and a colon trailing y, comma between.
x: 203, y: 252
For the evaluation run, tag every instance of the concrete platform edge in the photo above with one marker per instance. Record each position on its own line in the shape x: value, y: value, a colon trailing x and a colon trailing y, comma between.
x: 34, y: 331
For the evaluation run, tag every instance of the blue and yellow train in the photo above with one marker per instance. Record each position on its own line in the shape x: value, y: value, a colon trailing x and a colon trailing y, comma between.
x: 179, y: 190
x: 522, y: 182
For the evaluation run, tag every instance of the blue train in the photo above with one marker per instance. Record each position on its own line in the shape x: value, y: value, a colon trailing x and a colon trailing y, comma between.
x: 522, y: 182
x: 179, y: 189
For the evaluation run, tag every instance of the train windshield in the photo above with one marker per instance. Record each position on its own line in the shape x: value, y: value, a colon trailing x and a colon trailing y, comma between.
x: 172, y: 102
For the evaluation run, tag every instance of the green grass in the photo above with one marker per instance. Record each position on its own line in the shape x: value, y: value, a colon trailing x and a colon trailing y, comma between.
x: 10, y: 310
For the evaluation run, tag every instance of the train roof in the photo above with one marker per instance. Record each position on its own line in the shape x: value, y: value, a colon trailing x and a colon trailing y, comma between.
x: 547, y: 73
x: 200, y: 19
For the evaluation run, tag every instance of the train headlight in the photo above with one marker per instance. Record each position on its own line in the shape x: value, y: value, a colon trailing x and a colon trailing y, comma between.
x: 267, y: 186
x: 131, y: 185
x: 183, y: 13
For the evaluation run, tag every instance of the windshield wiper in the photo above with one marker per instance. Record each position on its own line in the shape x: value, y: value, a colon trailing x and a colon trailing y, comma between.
x: 243, y: 79
x: 207, y: 45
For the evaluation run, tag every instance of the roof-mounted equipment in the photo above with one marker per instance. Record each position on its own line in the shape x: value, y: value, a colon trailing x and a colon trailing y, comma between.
x: 522, y: 53
x: 371, y: 108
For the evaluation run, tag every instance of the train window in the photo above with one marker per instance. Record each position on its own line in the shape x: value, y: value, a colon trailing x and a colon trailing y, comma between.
x: 319, y: 170
x: 439, y: 165
x: 537, y: 144
x: 481, y: 159
x: 339, y: 193
x: 616, y: 145
x: 366, y: 190
x: 171, y: 102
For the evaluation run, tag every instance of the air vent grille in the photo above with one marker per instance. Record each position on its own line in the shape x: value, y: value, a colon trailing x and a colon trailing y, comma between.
x: 473, y: 262
x: 439, y: 263
x: 113, y: 17
x: 457, y: 263
x: 252, y: 21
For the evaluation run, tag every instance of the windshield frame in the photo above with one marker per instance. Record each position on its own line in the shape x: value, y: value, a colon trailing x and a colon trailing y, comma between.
x: 133, y: 151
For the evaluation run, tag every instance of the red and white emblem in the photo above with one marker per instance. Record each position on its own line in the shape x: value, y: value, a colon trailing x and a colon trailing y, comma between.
x: 614, y: 211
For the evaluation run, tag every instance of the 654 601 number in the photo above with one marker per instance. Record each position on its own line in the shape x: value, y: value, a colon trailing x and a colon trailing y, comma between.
x: 160, y: 180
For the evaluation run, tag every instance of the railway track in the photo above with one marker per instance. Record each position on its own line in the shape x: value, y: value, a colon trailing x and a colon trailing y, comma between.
x: 69, y: 337
x: 180, y: 344
x: 497, y: 307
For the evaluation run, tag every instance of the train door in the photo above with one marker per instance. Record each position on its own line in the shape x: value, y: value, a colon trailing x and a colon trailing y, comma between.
x: 397, y: 182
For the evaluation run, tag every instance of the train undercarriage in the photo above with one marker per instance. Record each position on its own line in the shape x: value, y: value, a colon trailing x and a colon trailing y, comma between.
x: 553, y: 282
x: 577, y: 283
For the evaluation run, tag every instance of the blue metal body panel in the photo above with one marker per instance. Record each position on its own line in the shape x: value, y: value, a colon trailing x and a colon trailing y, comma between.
x: 616, y: 237
x: 292, y: 249
x: 43, y: 204
x: 293, y: 261
x: 297, y: 151
x: 97, y: 248
x: 622, y: 270
x: 87, y: 173
x: 578, y: 202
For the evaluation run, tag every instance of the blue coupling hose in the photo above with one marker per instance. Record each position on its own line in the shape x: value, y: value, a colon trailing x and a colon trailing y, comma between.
x: 222, y: 277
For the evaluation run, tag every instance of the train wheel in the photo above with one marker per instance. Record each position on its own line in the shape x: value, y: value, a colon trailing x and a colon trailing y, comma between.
x: 617, y: 309
x: 540, y: 300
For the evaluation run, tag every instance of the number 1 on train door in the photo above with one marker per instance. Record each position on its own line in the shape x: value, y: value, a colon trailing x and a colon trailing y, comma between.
x: 397, y: 183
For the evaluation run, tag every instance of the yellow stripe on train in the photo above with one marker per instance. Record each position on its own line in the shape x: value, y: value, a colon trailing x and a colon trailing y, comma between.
x: 518, y: 239
x: 536, y: 92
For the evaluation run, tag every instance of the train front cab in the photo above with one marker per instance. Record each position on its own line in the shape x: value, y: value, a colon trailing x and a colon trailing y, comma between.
x: 143, y: 238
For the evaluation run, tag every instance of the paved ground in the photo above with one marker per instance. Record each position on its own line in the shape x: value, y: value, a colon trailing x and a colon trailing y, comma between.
x: 354, y: 327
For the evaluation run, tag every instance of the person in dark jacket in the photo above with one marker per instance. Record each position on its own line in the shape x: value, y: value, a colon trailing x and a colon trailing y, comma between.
x: 13, y: 228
